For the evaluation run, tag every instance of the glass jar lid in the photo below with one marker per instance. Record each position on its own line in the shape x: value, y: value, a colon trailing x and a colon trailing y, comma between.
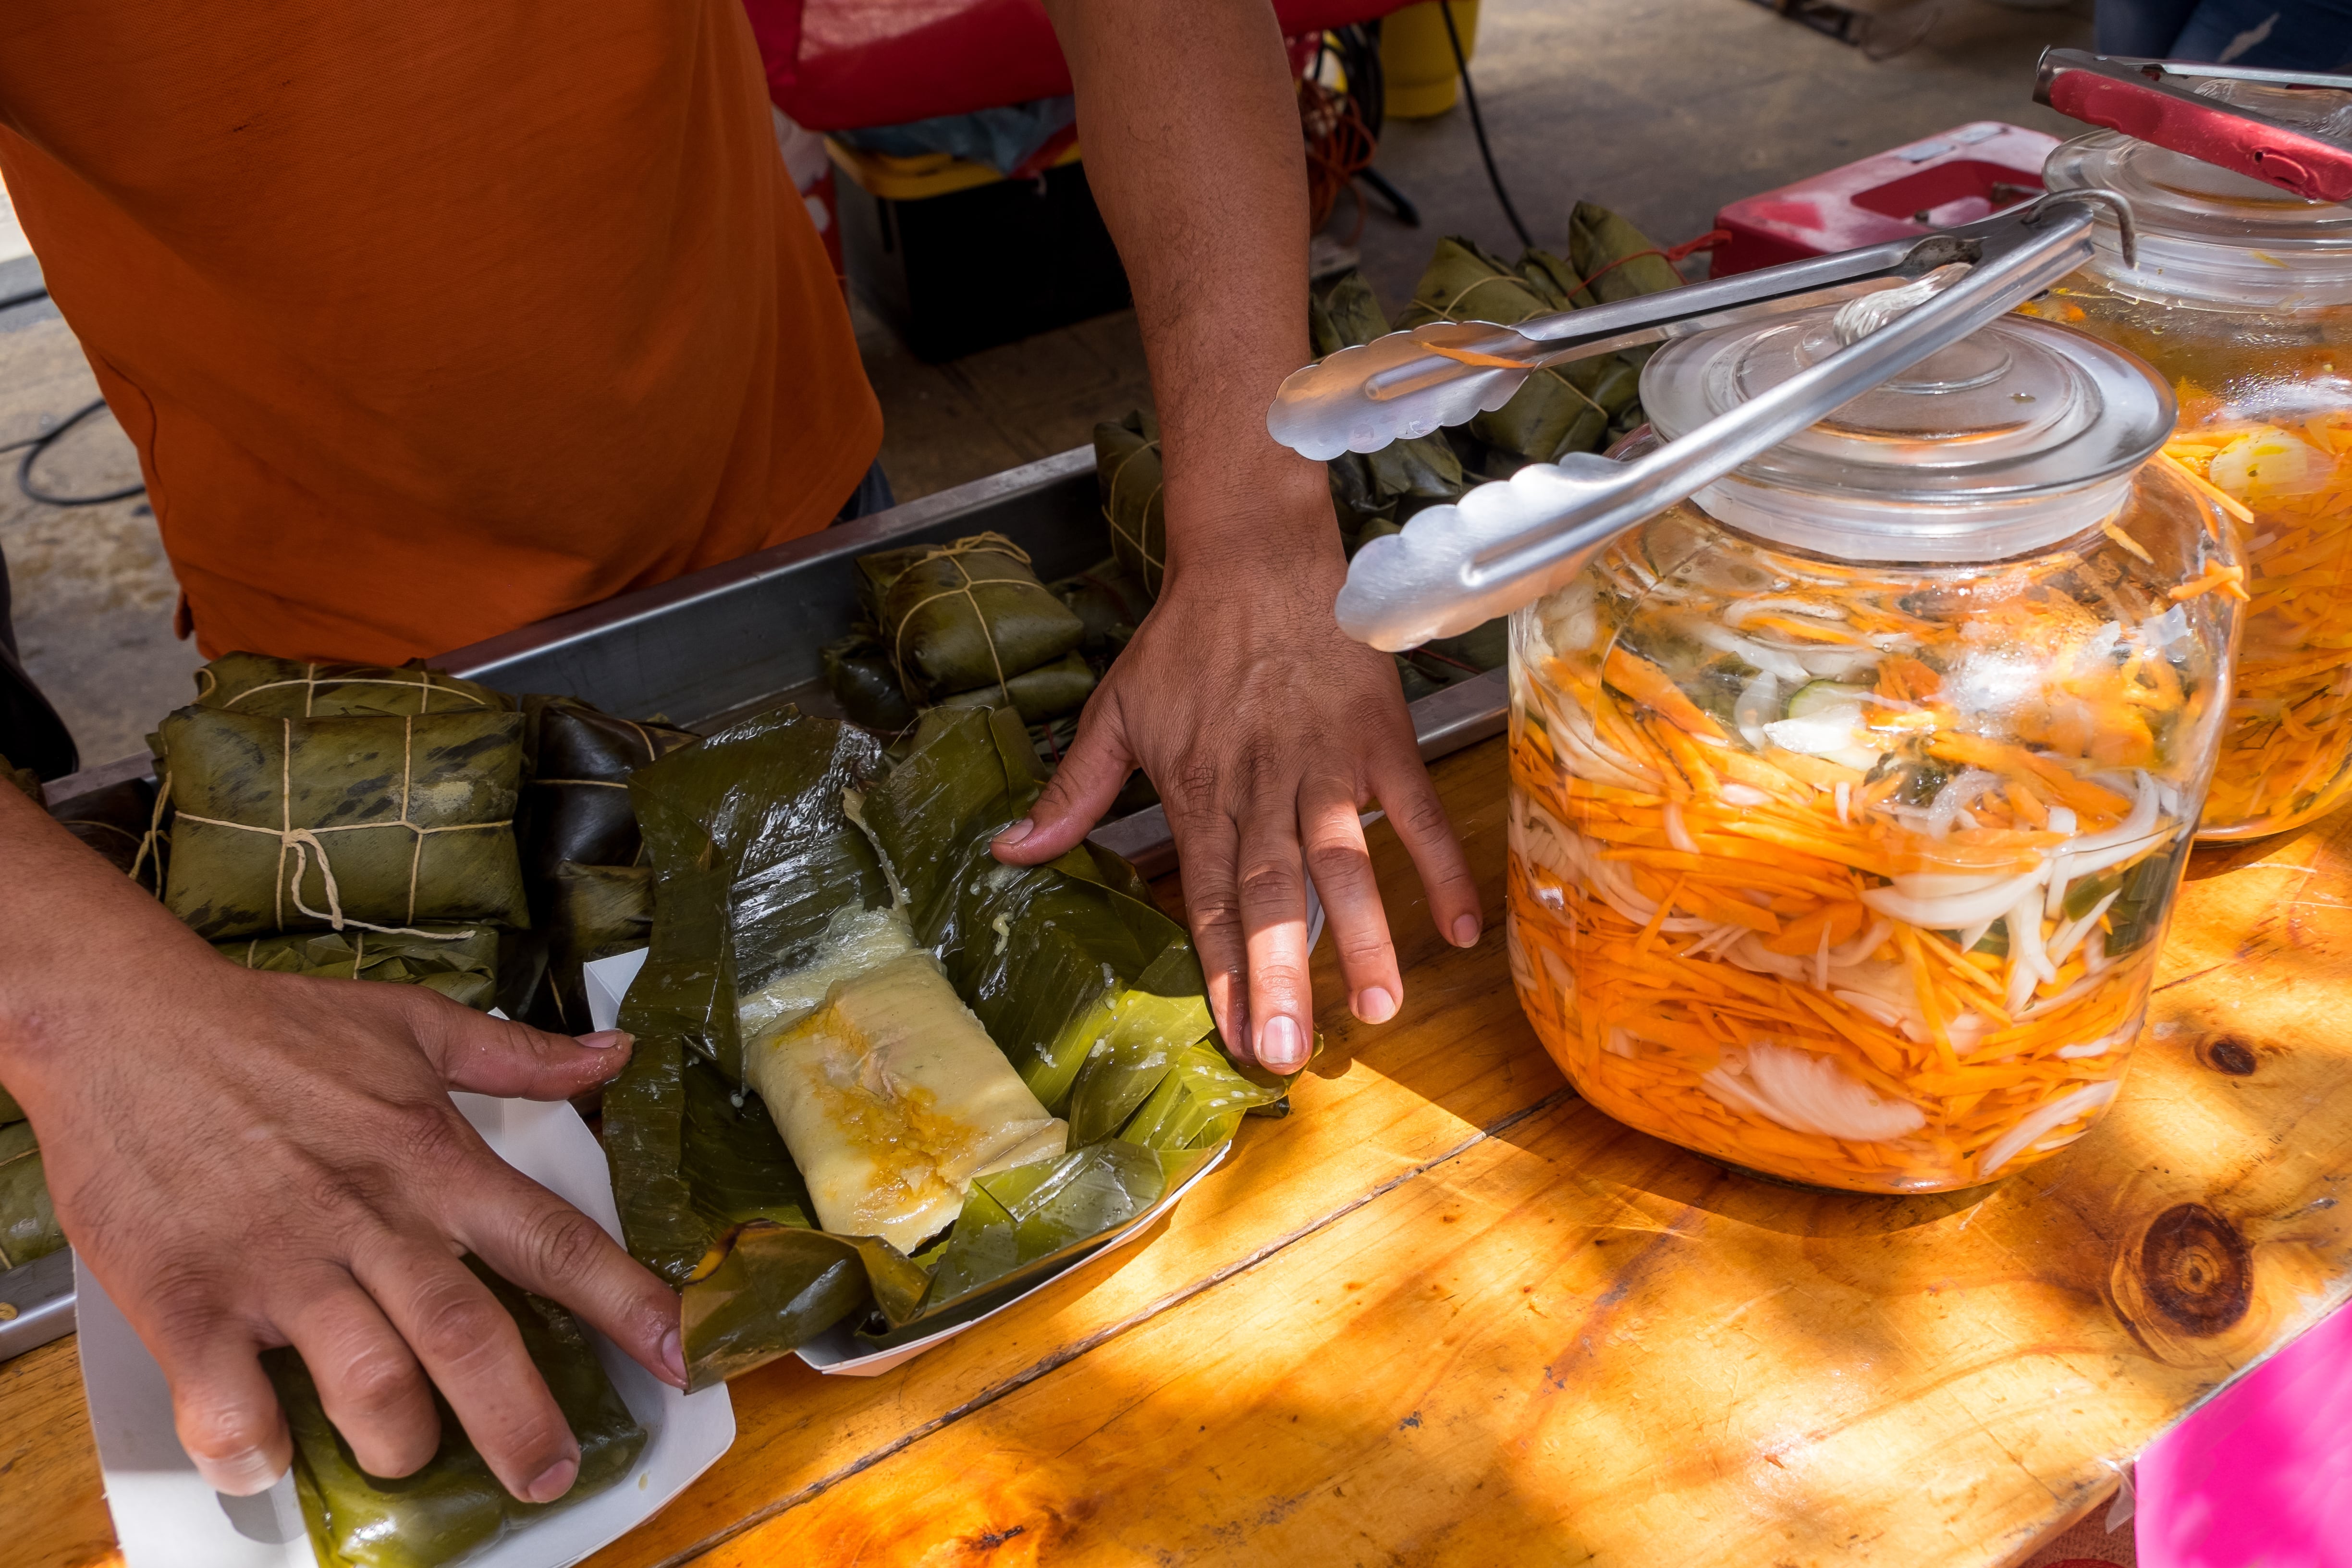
x: 2209, y: 233
x: 2020, y: 435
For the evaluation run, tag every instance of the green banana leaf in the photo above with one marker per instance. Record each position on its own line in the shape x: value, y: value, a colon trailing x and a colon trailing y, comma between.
x: 1049, y: 691
x: 962, y: 615
x: 461, y: 963
x: 114, y: 822
x: 1127, y: 475
x: 284, y: 688
x: 1084, y: 983
x: 858, y: 673
x: 1108, y: 603
x: 1343, y: 314
x: 453, y: 1507
x: 594, y: 912
x: 28, y: 1225
x: 413, y: 815
x: 1616, y: 256
x: 575, y: 799
x: 752, y: 857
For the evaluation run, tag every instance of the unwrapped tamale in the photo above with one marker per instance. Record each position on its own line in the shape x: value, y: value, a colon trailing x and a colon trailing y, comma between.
x: 858, y: 672
x: 1049, y: 691
x: 575, y: 795
x: 461, y: 963
x: 28, y: 1225
x: 891, y: 1099
x: 283, y: 689
x: 1126, y: 476
x: 1077, y: 980
x: 453, y: 1507
x: 961, y: 615
x: 301, y: 824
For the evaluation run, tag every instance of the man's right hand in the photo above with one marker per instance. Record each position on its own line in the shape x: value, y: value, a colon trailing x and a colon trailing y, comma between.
x: 248, y: 1160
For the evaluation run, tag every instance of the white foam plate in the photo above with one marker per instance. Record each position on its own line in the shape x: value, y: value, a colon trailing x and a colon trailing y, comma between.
x: 166, y: 1517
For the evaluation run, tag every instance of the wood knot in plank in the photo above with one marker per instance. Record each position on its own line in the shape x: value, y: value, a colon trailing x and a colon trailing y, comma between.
x: 2196, y: 1269
x: 2230, y: 1054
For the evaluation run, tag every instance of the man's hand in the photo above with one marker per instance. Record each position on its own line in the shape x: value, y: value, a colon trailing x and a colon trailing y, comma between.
x: 1264, y: 727
x: 248, y: 1160
x: 1266, y: 731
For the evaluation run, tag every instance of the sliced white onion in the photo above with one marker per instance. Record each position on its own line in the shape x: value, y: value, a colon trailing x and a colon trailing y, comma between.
x: 1739, y: 612
x: 1863, y: 946
x: 2062, y: 819
x: 1809, y: 1093
x: 1746, y: 794
x: 1704, y: 631
x: 1949, y: 912
x: 2064, y: 940
x: 2056, y: 1113
x: 1678, y: 835
x: 1754, y: 708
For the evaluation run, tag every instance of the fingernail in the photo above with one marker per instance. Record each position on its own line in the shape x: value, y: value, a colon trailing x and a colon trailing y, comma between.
x: 674, y: 1357
x: 1466, y: 931
x: 607, y: 1039
x: 1375, y: 1006
x: 553, y: 1481
x: 1015, y: 832
x: 1279, y: 1044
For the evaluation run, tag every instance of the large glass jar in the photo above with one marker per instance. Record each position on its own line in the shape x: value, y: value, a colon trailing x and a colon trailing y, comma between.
x: 1849, y: 799
x: 2243, y: 300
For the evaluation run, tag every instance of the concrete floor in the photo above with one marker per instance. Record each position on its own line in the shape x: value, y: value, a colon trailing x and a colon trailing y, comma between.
x: 1663, y: 109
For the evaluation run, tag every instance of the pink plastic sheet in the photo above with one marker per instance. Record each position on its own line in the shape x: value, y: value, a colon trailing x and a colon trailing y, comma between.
x: 839, y: 65
x: 2261, y: 1476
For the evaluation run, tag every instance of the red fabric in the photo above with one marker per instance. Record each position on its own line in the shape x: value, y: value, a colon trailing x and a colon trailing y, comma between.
x: 844, y: 65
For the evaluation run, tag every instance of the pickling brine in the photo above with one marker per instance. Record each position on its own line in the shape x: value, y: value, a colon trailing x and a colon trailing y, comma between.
x: 1852, y: 873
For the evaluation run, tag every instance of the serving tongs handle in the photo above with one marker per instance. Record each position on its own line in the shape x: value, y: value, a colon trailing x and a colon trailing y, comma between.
x: 1504, y: 544
x: 2157, y: 101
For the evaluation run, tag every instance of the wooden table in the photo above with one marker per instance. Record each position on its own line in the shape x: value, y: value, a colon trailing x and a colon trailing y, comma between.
x: 1448, y: 1313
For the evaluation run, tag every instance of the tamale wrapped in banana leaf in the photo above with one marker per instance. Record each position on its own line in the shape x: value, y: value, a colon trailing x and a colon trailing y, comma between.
x: 283, y: 689
x: 1621, y: 260
x: 23, y: 779
x: 28, y: 1225
x: 453, y: 1507
x: 1342, y: 314
x: 461, y: 963
x: 1048, y: 691
x: 115, y: 822
x: 1126, y: 474
x: 300, y: 823
x: 859, y: 674
x: 594, y: 912
x: 575, y: 794
x: 956, y: 616
x: 1108, y: 603
x: 757, y: 850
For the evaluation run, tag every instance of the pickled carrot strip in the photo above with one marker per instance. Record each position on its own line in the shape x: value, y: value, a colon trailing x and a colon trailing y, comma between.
x: 1645, y: 683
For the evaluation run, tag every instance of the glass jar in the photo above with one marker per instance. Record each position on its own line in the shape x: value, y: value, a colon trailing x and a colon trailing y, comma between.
x: 2243, y: 300
x: 1848, y: 800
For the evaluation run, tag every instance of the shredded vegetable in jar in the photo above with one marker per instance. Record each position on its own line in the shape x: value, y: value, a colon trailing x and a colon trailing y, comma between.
x: 1853, y: 873
x: 2242, y: 300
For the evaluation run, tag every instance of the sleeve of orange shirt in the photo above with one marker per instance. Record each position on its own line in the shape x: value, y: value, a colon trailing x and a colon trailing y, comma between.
x: 432, y: 320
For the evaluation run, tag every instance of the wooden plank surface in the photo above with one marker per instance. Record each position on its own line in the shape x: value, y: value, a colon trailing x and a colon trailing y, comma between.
x: 1447, y: 1310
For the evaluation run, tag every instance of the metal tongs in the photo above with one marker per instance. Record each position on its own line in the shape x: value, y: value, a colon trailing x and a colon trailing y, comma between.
x: 2173, y: 104
x: 1502, y: 545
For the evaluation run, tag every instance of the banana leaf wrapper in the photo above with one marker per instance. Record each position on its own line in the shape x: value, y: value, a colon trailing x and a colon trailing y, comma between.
x: 1621, y: 261
x: 1108, y: 603
x: 858, y: 672
x: 962, y: 615
x: 1126, y: 476
x: 1038, y: 695
x: 575, y: 796
x: 1099, y: 991
x: 115, y: 823
x: 1344, y: 314
x: 461, y: 963
x: 595, y: 911
x: 303, y: 824
x: 453, y: 1507
x: 23, y: 779
x: 283, y: 689
x: 29, y: 1224
x: 1563, y: 409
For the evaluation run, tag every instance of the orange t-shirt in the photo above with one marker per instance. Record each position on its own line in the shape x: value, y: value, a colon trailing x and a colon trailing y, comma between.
x: 432, y: 319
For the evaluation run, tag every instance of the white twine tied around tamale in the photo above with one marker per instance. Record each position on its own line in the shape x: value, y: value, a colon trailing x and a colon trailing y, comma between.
x: 993, y: 543
x: 302, y: 842
x: 359, y: 945
x: 1553, y: 371
x: 1140, y: 539
x: 645, y: 739
x: 425, y: 686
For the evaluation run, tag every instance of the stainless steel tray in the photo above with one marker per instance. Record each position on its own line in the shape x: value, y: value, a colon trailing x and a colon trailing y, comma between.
x: 728, y: 641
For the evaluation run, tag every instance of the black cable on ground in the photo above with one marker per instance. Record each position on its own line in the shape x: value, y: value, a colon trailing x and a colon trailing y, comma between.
x: 1478, y: 123
x: 33, y: 297
x: 33, y: 450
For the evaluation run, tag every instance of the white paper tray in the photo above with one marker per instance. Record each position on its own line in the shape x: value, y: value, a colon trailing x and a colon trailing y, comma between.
x: 166, y: 1517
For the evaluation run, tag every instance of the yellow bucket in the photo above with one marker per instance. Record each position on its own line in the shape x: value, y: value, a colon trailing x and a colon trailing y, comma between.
x: 1418, y: 61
